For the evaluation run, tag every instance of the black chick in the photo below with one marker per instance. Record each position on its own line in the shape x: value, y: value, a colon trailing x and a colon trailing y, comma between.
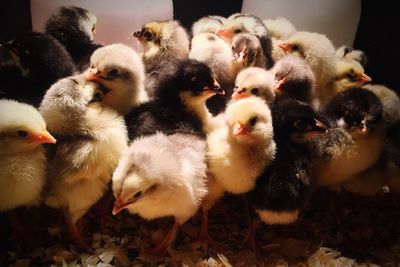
x: 179, y: 105
x: 283, y: 188
x: 74, y: 27
x: 30, y: 64
x: 356, y: 139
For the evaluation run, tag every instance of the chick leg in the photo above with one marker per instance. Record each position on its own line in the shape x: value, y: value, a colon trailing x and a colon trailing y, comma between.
x: 251, y: 235
x: 75, y: 234
x: 162, y: 246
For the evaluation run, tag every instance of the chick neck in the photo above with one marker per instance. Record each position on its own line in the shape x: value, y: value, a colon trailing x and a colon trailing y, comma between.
x: 197, y: 105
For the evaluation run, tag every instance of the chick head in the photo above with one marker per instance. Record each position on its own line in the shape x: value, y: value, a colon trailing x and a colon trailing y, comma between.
x: 245, y: 47
x: 22, y: 128
x: 209, y: 24
x: 349, y: 74
x: 356, y: 110
x: 249, y: 121
x: 297, y: 121
x: 254, y: 81
x: 242, y: 23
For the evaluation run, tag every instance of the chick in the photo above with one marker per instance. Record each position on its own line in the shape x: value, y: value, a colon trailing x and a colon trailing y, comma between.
x: 238, y: 152
x: 280, y: 28
x: 208, y: 24
x: 392, y: 153
x: 22, y: 158
x: 246, y: 23
x: 318, y: 51
x: 91, y: 140
x: 349, y: 74
x: 165, y: 44
x: 216, y: 54
x: 179, y: 105
x: 246, y: 52
x: 162, y: 175
x: 74, y: 27
x: 349, y: 53
x: 254, y: 81
x: 355, y: 142
x: 390, y: 102
x: 295, y: 79
x: 31, y: 63
x: 119, y: 68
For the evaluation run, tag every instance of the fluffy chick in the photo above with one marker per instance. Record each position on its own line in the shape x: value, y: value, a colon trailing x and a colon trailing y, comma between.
x: 349, y: 74
x: 91, y: 140
x: 165, y: 44
x: 280, y: 28
x: 23, y: 161
x: 162, y: 175
x: 238, y: 151
x: 390, y: 102
x: 318, y: 51
x: 355, y: 142
x: 30, y: 64
x: 179, y: 105
x: 246, y: 23
x: 74, y: 27
x: 208, y: 24
x: 295, y: 79
x: 255, y: 82
x: 246, y: 52
x: 216, y: 53
x: 119, y: 68
x: 349, y: 53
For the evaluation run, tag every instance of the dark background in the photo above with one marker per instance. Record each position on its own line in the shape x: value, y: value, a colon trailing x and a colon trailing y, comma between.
x: 376, y: 35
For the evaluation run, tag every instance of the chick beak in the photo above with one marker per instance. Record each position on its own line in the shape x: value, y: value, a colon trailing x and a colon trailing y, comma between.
x: 364, y: 78
x: 239, y: 129
x: 216, y: 89
x: 364, y: 126
x: 238, y: 94
x: 318, y: 129
x: 242, y: 57
x: 278, y: 87
x: 138, y: 35
x: 92, y: 75
x: 225, y: 34
x: 118, y: 206
x: 43, y: 138
x: 285, y: 47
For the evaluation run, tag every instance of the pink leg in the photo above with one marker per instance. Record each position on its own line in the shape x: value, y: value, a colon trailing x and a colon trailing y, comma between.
x: 75, y: 234
x: 160, y: 248
x: 203, y: 234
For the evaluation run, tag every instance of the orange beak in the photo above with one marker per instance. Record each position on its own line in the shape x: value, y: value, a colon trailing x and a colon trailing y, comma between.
x: 43, y: 138
x: 217, y: 89
x: 118, y: 206
x: 278, y: 87
x: 138, y: 35
x: 241, y: 58
x: 238, y: 94
x: 226, y: 34
x: 285, y: 47
x: 239, y: 129
x: 364, y: 78
x: 92, y: 75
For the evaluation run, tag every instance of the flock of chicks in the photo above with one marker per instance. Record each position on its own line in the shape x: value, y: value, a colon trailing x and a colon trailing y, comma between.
x: 248, y: 107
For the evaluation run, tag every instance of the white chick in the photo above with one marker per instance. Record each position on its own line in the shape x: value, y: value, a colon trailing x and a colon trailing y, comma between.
x: 349, y: 53
x: 22, y: 158
x: 280, y: 28
x: 246, y: 23
x: 238, y: 152
x: 257, y: 82
x: 319, y: 52
x: 208, y: 24
x: 119, y: 68
x: 349, y: 74
x: 217, y: 55
x: 162, y: 175
x: 165, y: 44
x: 91, y: 140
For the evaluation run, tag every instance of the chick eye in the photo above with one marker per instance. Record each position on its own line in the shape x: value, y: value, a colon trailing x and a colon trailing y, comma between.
x: 148, y: 35
x: 22, y: 134
x: 112, y: 73
x: 350, y: 75
x: 254, y: 91
x: 237, y: 31
x: 295, y: 47
x: 301, y: 125
x: 347, y: 50
x: 253, y: 121
x: 137, y: 195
